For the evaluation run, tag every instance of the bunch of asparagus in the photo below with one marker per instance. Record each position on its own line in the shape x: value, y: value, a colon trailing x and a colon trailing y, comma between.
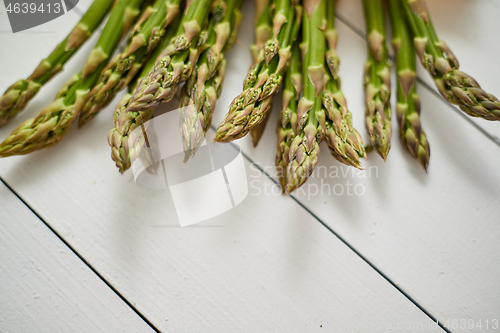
x: 313, y: 106
x: 283, y: 36
x: 179, y: 46
x: 194, y: 52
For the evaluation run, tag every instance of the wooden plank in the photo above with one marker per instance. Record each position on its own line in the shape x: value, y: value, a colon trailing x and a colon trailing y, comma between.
x: 270, y: 269
x: 46, y: 287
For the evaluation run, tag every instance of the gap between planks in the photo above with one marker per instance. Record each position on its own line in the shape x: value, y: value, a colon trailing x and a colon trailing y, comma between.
x: 130, y: 305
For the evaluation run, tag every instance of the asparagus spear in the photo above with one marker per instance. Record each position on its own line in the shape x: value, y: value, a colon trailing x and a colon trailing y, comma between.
x: 124, y: 148
x: 344, y: 141
x: 411, y: 134
x: 126, y: 65
x: 454, y: 85
x: 263, y: 80
x: 18, y: 95
x: 175, y: 64
x: 54, y: 121
x: 281, y: 16
x: 205, y: 85
x: 304, y: 148
x: 377, y: 80
x: 262, y: 34
x: 287, y: 122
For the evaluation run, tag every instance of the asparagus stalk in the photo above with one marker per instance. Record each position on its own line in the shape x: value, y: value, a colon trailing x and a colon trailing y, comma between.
x: 377, y: 80
x: 343, y: 140
x: 262, y: 34
x: 18, y: 95
x: 205, y: 85
x: 54, y: 121
x: 147, y: 156
x: 454, y: 85
x: 196, y: 122
x: 124, y: 148
x: 304, y: 148
x: 411, y: 134
x: 264, y: 78
x: 287, y: 122
x: 175, y: 64
x: 281, y: 16
x: 123, y: 68
x: 263, y: 28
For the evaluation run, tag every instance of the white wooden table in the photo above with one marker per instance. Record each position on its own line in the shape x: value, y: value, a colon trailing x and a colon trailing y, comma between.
x: 83, y: 249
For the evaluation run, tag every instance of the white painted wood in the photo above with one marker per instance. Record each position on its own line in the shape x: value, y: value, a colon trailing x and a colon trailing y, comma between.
x: 470, y: 28
x: 269, y: 269
x: 435, y: 234
x: 270, y: 266
x: 46, y: 287
x: 254, y: 270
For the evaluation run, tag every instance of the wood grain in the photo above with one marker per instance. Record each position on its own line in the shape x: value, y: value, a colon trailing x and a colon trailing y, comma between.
x: 46, y: 287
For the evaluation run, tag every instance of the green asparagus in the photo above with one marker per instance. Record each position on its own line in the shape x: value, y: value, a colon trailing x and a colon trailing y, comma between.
x: 411, y: 134
x: 205, y: 84
x: 258, y: 130
x: 304, y: 148
x: 343, y: 140
x: 377, y: 80
x: 287, y: 122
